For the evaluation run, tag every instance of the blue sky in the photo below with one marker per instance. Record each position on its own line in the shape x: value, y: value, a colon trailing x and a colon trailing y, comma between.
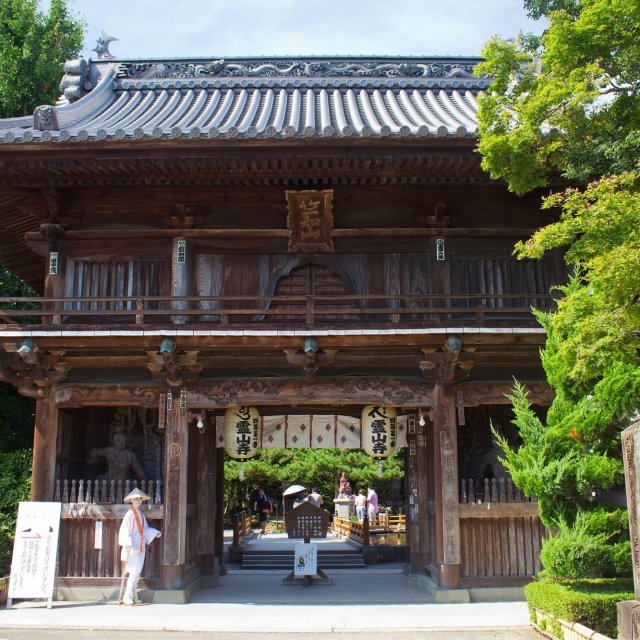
x: 226, y: 28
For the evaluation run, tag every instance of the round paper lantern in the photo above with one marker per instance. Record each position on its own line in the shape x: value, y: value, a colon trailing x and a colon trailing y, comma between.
x: 241, y: 432
x: 378, y: 431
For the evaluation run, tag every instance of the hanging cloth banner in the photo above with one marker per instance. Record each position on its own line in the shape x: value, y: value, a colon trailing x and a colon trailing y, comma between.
x: 379, y: 430
x: 241, y: 431
x: 325, y: 431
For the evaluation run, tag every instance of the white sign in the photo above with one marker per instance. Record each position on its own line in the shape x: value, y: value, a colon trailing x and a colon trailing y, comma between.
x: 97, y: 539
x: 305, y: 559
x: 35, y: 550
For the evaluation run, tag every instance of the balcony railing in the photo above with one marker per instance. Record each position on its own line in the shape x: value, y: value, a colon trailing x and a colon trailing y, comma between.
x: 295, y: 310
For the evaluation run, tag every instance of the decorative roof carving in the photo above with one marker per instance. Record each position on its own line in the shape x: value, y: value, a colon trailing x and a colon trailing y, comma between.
x: 296, y: 69
x: 45, y: 118
x: 102, y: 45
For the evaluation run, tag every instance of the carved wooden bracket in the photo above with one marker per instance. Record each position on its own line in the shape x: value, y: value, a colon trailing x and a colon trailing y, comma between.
x: 30, y: 369
x: 448, y: 363
x: 184, y: 217
x: 438, y: 218
x: 176, y: 368
x: 310, y: 361
x: 310, y: 221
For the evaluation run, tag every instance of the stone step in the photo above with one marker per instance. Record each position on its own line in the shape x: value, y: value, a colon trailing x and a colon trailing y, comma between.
x: 284, y: 559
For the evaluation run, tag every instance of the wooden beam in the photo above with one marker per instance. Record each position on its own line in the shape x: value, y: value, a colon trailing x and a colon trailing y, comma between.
x: 476, y: 394
x: 105, y: 395
x: 212, y: 394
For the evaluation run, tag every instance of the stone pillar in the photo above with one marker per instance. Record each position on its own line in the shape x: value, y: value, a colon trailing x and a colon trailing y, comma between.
x: 629, y: 611
x: 448, y: 555
x: 45, y: 438
x: 175, y: 498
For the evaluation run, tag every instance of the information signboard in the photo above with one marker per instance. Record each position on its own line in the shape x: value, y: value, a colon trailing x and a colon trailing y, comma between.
x: 34, y: 551
x: 305, y: 559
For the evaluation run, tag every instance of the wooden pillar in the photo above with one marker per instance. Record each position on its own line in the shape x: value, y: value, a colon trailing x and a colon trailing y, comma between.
x: 181, y: 275
x: 219, y: 545
x: 446, y: 489
x: 54, y: 280
x: 416, y: 482
x: 206, y: 498
x: 175, y: 498
x: 45, y: 438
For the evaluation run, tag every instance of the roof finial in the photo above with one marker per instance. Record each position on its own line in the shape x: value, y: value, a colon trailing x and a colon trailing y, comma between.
x: 102, y: 45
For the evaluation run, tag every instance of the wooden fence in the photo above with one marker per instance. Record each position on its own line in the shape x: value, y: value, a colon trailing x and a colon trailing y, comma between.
x: 242, y: 522
x: 358, y: 531
x: 100, y: 491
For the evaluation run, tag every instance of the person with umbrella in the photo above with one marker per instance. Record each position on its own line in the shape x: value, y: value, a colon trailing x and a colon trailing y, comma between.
x: 294, y: 495
x: 263, y: 505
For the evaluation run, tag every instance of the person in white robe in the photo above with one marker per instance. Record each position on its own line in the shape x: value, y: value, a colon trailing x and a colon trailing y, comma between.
x: 134, y: 536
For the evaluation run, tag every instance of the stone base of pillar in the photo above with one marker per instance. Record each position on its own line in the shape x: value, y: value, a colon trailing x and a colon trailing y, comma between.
x: 449, y: 576
x: 172, y: 576
x: 629, y: 620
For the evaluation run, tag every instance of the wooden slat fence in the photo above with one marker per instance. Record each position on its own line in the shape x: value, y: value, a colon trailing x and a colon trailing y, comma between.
x: 358, y: 531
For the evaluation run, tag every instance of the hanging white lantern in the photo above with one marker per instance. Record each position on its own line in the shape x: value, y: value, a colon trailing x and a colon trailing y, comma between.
x: 241, y: 425
x: 379, y: 432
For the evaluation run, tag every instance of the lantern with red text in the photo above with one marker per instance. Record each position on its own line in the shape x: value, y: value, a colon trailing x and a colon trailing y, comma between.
x: 241, y: 425
x: 378, y: 432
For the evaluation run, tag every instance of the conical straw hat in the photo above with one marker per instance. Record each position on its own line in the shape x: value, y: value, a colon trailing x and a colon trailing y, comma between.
x: 136, y: 493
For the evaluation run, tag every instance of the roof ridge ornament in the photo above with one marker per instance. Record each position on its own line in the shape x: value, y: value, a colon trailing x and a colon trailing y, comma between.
x: 298, y: 68
x: 102, y: 45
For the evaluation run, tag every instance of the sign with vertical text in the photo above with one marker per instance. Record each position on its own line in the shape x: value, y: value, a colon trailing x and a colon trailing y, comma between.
x: 35, y: 550
x: 305, y: 559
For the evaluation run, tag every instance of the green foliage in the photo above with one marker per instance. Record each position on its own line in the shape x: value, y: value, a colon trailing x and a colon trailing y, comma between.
x: 590, y: 602
x: 570, y: 105
x: 33, y: 44
x: 15, y: 487
x: 590, y: 547
x: 274, y: 469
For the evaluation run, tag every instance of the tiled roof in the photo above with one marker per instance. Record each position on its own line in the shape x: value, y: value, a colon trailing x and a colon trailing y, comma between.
x: 257, y: 98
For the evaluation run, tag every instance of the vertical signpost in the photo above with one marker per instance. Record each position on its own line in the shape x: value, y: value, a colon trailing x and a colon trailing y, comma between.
x: 34, y: 551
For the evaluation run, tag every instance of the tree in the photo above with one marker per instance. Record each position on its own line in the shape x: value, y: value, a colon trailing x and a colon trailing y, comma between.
x: 567, y: 104
x: 33, y: 44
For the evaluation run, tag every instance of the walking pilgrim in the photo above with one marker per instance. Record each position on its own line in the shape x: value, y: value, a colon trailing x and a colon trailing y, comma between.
x: 135, y: 534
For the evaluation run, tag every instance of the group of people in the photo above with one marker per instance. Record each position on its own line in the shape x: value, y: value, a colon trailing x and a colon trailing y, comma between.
x: 367, y: 504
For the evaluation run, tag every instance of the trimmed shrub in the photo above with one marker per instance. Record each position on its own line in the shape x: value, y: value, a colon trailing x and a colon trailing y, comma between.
x: 589, y: 602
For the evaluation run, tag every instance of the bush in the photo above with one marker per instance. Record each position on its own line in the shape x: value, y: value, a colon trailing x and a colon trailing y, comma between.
x: 589, y: 602
x: 15, y: 487
x: 595, y: 545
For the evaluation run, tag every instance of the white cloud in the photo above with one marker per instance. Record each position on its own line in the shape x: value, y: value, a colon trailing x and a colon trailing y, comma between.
x: 222, y: 28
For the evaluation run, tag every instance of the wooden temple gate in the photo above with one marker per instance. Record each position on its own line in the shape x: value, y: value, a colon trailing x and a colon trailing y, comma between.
x: 308, y: 234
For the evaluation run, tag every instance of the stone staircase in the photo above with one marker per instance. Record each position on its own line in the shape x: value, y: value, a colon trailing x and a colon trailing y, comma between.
x: 283, y: 559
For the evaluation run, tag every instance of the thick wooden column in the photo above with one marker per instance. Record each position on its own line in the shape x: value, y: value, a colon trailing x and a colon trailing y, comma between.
x: 219, y: 545
x: 418, y: 499
x: 446, y: 489
x: 181, y: 275
x: 175, y: 497
x: 206, y: 519
x: 45, y: 438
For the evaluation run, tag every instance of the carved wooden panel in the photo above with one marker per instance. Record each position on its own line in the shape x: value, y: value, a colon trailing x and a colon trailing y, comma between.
x: 310, y: 221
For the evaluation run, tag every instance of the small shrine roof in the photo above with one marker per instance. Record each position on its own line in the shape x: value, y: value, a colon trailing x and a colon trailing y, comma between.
x: 359, y: 98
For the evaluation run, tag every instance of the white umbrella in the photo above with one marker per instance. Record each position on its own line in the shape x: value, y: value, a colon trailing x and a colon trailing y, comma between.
x: 294, y: 488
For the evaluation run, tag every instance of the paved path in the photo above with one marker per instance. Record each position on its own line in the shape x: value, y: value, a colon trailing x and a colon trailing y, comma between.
x: 373, y: 603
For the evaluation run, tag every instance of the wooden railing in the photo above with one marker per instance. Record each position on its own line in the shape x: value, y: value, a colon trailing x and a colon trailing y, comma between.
x: 392, y: 521
x: 242, y: 522
x: 358, y: 531
x: 102, y: 491
x: 225, y: 311
x: 490, y: 491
